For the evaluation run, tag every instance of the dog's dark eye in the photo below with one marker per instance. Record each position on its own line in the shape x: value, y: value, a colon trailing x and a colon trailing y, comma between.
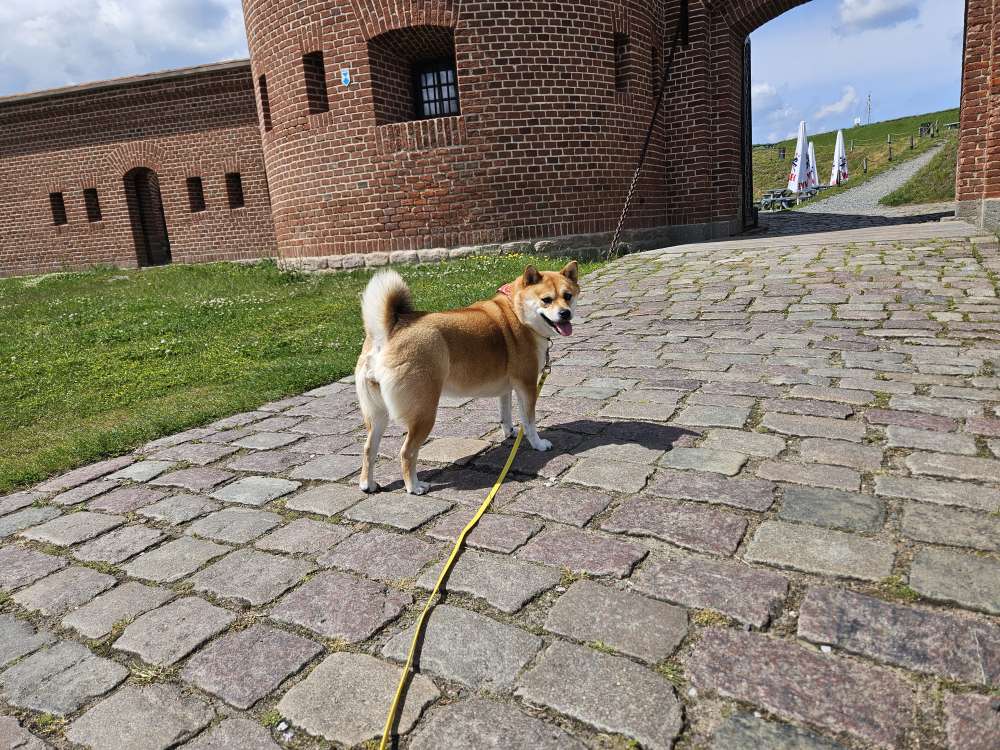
x: 567, y: 296
x: 546, y: 300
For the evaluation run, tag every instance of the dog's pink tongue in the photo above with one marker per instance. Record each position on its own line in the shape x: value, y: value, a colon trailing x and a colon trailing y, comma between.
x: 565, y: 328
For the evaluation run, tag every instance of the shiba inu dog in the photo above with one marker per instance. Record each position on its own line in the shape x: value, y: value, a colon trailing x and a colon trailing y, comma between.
x: 492, y: 348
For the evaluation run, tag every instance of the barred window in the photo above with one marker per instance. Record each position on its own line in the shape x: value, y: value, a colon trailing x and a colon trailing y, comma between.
x: 437, y: 91
x: 414, y: 74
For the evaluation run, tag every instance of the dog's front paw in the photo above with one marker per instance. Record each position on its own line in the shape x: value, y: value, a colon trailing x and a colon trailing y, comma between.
x: 369, y: 486
x: 508, y: 431
x: 542, y: 445
x: 419, y: 488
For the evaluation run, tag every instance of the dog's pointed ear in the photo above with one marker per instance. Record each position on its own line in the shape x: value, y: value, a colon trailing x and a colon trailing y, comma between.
x: 571, y: 271
x: 531, y: 276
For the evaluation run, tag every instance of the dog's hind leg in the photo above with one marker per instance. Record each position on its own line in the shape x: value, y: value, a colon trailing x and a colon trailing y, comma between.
x: 506, y: 415
x: 376, y: 420
x: 417, y: 429
x: 526, y: 397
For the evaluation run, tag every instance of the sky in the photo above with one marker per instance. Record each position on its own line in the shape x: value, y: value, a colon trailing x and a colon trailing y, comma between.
x: 817, y: 62
x: 820, y: 61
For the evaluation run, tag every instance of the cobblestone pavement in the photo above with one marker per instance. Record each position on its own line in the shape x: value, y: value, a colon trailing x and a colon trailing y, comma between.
x: 801, y: 222
x: 771, y: 520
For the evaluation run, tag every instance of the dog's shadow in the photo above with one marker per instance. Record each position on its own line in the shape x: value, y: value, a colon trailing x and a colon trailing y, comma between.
x: 582, y: 438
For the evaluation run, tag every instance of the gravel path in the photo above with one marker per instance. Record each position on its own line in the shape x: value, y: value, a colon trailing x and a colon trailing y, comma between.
x: 863, y: 200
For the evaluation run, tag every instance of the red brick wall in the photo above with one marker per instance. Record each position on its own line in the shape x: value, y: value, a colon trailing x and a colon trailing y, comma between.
x: 978, y: 177
x: 197, y: 122
x: 544, y: 145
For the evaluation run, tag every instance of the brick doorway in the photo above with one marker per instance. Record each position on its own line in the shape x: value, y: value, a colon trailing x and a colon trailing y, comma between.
x: 145, y: 212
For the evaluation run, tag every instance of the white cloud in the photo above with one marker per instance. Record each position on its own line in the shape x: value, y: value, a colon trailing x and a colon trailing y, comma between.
x: 863, y: 15
x: 50, y: 43
x: 839, y: 107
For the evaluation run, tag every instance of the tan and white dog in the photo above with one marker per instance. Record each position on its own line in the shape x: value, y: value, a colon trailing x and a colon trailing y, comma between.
x: 410, y: 359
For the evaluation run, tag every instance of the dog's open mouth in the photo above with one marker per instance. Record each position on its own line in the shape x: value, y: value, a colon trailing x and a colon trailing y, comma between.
x: 563, y: 327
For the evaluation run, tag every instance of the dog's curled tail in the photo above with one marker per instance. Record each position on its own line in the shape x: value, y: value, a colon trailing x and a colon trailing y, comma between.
x: 385, y: 298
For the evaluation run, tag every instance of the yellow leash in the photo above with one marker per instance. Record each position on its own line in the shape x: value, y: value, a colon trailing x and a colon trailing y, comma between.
x: 404, y: 678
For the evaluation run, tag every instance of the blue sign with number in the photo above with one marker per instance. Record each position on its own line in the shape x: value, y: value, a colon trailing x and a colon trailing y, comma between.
x: 345, y: 76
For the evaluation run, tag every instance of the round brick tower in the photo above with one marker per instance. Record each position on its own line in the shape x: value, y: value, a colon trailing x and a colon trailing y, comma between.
x: 406, y: 125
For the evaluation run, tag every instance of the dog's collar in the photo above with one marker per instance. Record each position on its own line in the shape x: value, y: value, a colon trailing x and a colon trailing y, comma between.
x: 506, y: 290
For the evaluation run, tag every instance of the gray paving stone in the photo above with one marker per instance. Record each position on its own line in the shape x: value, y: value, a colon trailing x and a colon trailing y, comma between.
x: 750, y: 443
x: 873, y: 704
x: 326, y: 499
x: 988, y: 426
x: 73, y: 528
x: 195, y: 480
x: 746, y: 732
x: 931, y: 440
x: 199, y: 454
x: 494, y: 532
x: 632, y: 409
x: 141, y: 471
x: 749, y: 494
x: 250, y: 576
x: 255, y: 490
x: 328, y: 468
x: 941, y: 493
x: 943, y: 407
x: 610, y: 693
x: 172, y: 561
x: 500, y: 581
x: 166, y: 635
x: 58, y: 679
x: 746, y: 594
x: 15, y: 737
x: 84, y: 474
x: 712, y: 416
x: 822, y: 551
x: 841, y: 453
x: 19, y: 566
x: 234, y: 734
x: 345, y: 699
x: 954, y: 467
x: 616, y: 476
x: 816, y: 475
x: 839, y: 395
x: 19, y: 500
x: 304, y: 536
x: 118, y: 545
x: 923, y: 640
x: 234, y: 525
x: 973, y: 721
x: 548, y: 464
x: 452, y: 450
x: 401, y: 511
x: 244, y: 666
x: 569, y: 505
x: 704, y: 459
x: 600, y: 449
x: 834, y: 509
x: 686, y: 525
x: 807, y: 408
x: 951, y: 526
x: 125, y: 602
x: 911, y: 419
x: 382, y: 555
x: 239, y: 420
x: 475, y: 722
x: 23, y: 519
x: 268, y: 462
x: 822, y: 427
x: 266, y: 440
x: 632, y: 624
x: 63, y: 590
x: 338, y: 605
x: 125, y: 499
x: 178, y: 509
x: 19, y: 638
x: 151, y: 717
x: 971, y: 582
x: 584, y: 551
x: 491, y: 656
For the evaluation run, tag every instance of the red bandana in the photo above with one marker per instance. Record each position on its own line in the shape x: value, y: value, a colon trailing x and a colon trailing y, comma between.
x: 506, y: 290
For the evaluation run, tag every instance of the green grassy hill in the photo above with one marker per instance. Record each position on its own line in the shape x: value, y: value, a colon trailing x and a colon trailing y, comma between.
x: 932, y: 184
x: 869, y: 141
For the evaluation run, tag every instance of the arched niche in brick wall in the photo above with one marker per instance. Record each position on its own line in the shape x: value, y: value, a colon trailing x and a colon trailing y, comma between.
x: 133, y: 155
x: 379, y: 16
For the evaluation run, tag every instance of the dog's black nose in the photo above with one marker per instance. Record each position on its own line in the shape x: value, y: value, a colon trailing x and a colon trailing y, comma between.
x: 565, y: 314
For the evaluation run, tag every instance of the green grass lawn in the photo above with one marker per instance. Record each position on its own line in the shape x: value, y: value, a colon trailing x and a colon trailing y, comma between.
x: 94, y: 364
x: 871, y: 141
x: 932, y: 184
